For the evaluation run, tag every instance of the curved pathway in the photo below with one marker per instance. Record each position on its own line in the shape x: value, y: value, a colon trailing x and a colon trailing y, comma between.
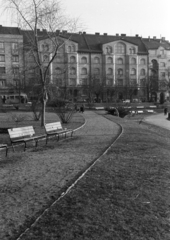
x: 159, y: 120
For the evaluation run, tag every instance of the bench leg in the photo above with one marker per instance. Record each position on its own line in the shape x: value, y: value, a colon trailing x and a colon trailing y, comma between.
x: 6, y: 151
x: 25, y: 146
x: 13, y: 147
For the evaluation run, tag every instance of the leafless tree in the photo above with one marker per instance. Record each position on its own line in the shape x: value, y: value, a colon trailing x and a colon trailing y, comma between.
x: 33, y: 15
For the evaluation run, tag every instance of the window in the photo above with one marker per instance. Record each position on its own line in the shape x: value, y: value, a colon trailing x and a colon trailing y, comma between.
x: 73, y: 48
x: 142, y: 61
x: 96, y: 71
x: 162, y: 74
x: 58, y: 71
x: 2, y: 58
x: 58, y: 59
x: 46, y: 58
x: 142, y: 72
x: 15, y: 58
x: 15, y: 48
x: 109, y: 82
x: 120, y: 61
x: 72, y: 81
x: 59, y: 82
x: 2, y: 82
x: 84, y: 71
x: 133, y: 82
x: 110, y: 60
x: 120, y: 71
x: 1, y: 45
x: 69, y: 49
x: 120, y: 48
x: 16, y: 70
x: 162, y: 51
x: 2, y: 70
x: 133, y: 61
x: 83, y: 60
x: 45, y: 47
x: 96, y: 60
x: 120, y: 82
x: 72, y: 59
x: 110, y: 71
x: 132, y: 50
x: 108, y: 49
x: 162, y: 64
x: 72, y: 71
x: 133, y: 71
x: 83, y: 81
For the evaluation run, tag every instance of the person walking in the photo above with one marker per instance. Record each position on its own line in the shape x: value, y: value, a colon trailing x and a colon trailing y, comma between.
x: 165, y: 110
x: 82, y: 108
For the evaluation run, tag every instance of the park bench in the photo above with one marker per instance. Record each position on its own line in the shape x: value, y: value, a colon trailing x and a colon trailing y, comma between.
x: 141, y: 111
x: 150, y: 111
x: 4, y: 146
x: 23, y: 135
x: 56, y: 129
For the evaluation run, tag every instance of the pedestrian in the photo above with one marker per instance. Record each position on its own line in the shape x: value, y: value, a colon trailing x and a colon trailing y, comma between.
x: 165, y: 110
x: 82, y: 108
x: 76, y: 108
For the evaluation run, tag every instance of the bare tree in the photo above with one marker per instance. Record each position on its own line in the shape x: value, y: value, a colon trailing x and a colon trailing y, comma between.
x: 33, y: 15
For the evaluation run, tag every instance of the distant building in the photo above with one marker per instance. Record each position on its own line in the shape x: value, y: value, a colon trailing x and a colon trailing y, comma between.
x: 115, y: 67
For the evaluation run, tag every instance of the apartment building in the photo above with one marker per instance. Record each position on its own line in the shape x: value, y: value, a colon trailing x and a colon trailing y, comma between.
x: 11, y: 59
x: 113, y: 66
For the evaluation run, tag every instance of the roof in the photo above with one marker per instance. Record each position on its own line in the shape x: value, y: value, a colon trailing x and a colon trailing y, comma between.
x: 94, y: 42
x: 10, y: 30
x: 153, y: 43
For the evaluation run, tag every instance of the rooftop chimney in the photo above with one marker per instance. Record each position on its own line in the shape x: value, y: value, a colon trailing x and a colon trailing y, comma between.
x: 137, y: 35
x: 154, y: 37
x: 97, y: 33
x: 105, y: 34
x: 123, y: 35
x: 84, y: 32
x: 117, y: 34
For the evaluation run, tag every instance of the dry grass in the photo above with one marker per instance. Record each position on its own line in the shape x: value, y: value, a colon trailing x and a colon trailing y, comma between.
x: 125, y: 196
x: 31, y: 181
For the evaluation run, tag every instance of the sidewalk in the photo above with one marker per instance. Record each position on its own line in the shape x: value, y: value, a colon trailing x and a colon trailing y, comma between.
x: 159, y: 120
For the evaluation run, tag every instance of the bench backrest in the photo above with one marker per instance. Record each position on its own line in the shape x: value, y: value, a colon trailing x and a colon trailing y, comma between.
x: 22, y: 132
x: 52, y: 127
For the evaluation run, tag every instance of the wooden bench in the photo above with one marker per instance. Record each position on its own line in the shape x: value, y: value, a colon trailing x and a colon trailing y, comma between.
x: 23, y: 135
x: 4, y: 146
x: 56, y: 129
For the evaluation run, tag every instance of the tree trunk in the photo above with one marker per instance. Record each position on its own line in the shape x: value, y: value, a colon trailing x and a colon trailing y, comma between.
x: 43, y: 113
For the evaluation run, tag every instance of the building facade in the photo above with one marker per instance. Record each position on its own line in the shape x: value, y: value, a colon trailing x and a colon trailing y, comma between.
x: 91, y: 66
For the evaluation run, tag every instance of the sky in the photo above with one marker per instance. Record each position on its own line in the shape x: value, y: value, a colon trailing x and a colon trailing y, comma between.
x: 130, y: 17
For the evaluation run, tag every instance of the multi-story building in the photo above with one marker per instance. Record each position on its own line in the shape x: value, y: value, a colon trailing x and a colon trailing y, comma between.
x: 11, y: 58
x: 93, y: 65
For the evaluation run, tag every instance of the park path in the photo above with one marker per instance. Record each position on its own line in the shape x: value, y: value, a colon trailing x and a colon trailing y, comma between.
x: 30, y: 180
x: 159, y: 120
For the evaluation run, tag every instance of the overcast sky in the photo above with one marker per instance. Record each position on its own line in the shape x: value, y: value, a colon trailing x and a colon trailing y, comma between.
x: 143, y: 17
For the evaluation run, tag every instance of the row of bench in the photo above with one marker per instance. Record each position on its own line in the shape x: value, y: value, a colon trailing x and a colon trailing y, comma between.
x: 27, y: 134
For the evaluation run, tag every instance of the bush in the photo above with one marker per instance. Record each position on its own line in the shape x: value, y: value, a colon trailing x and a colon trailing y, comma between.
x: 121, y: 110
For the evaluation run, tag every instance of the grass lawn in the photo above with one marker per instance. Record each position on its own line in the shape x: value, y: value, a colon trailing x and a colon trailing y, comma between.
x: 125, y: 196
